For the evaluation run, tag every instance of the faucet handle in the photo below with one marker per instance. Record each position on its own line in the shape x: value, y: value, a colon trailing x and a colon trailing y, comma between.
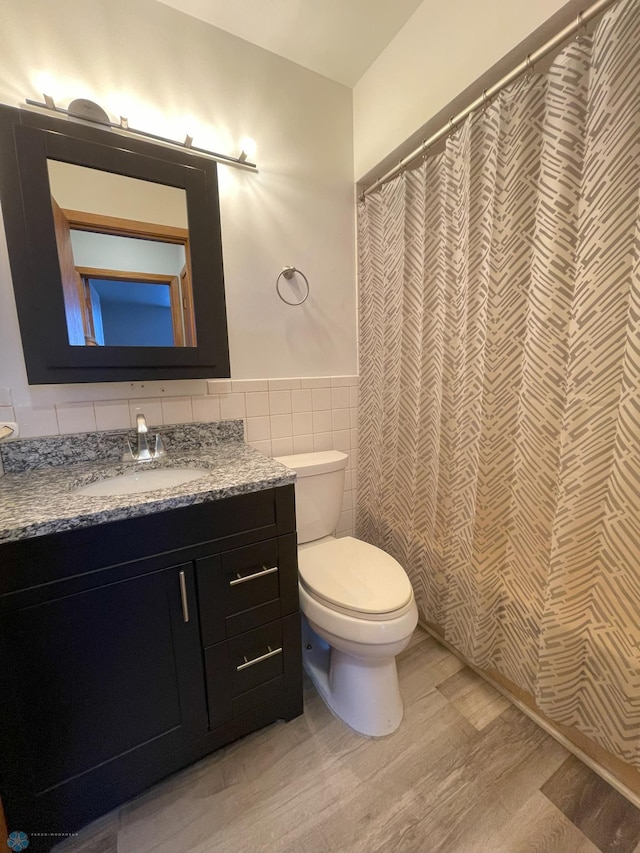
x: 159, y: 451
x: 129, y: 454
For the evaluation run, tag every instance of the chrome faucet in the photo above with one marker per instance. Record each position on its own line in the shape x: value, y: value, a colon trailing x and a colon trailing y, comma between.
x: 143, y: 453
x: 142, y: 449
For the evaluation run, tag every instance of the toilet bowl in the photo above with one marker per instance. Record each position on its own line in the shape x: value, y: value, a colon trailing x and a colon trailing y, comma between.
x: 358, y: 606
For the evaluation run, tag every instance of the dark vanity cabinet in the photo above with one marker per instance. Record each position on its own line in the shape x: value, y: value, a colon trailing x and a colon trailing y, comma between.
x: 132, y: 648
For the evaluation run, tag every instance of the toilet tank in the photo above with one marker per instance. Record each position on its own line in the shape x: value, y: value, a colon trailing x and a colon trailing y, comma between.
x: 319, y: 488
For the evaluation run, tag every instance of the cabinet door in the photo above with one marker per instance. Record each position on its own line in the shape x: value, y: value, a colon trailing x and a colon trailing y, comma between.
x: 101, y: 684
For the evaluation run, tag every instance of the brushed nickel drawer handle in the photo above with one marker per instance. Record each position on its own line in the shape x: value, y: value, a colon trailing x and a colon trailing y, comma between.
x: 263, y: 571
x: 183, y: 596
x: 269, y: 654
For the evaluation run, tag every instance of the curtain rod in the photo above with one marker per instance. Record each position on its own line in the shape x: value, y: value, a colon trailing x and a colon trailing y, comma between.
x: 582, y: 20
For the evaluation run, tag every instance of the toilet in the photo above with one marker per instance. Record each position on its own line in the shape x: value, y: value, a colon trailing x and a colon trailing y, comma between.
x: 357, y: 602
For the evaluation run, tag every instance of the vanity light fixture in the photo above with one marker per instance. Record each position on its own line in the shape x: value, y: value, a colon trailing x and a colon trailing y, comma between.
x: 248, y: 149
x: 90, y: 111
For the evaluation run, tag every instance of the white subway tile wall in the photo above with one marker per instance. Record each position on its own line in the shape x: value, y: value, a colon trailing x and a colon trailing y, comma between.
x: 7, y: 413
x: 37, y: 420
x: 206, y: 409
x: 177, y: 410
x: 76, y: 417
x: 257, y: 403
x: 112, y: 414
x: 282, y: 416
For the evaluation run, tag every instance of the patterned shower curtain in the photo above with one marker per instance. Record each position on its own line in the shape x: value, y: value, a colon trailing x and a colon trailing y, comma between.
x: 499, y: 444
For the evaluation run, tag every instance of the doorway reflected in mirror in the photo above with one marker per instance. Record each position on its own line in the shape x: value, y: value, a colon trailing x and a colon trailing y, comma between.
x: 126, y: 280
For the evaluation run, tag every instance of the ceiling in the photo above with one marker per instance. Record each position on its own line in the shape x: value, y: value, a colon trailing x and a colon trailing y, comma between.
x: 336, y: 38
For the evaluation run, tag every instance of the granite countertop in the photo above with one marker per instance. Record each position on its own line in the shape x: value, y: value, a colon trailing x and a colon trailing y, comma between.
x: 43, y: 500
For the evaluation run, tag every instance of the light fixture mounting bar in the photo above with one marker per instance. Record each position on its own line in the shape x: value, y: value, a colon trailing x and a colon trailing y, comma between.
x: 123, y: 126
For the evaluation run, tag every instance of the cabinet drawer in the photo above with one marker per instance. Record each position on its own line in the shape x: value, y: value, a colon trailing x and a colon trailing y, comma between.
x: 247, y: 587
x: 252, y: 668
x: 255, y: 657
x: 251, y: 576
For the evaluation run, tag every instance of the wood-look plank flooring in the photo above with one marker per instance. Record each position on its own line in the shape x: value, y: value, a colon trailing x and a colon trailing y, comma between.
x: 466, y: 772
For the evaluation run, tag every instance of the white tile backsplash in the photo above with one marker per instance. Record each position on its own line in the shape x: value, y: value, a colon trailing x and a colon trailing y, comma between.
x: 342, y: 440
x: 322, y: 441
x: 280, y: 402
x: 7, y: 413
x: 151, y: 409
x: 340, y: 419
x: 303, y: 443
x: 282, y: 446
x: 258, y: 429
x: 345, y: 523
x: 316, y: 382
x: 206, y: 409
x: 177, y: 410
x: 76, y: 417
x: 301, y: 401
x: 257, y: 403
x: 343, y: 381
x: 282, y: 416
x: 340, y: 398
x: 320, y: 399
x: 218, y: 386
x: 112, y: 414
x: 232, y: 406
x: 281, y: 426
x: 302, y: 423
x: 262, y: 446
x: 36, y: 421
x: 246, y: 385
x: 284, y: 384
x: 322, y: 421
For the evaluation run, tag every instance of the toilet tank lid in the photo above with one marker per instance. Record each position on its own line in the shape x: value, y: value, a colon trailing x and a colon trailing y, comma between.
x: 321, y: 462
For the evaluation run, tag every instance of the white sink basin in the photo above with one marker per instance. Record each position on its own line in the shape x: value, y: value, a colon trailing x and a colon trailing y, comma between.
x: 142, y: 481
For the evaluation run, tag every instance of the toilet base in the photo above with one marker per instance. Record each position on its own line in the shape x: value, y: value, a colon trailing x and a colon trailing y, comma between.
x: 364, y: 694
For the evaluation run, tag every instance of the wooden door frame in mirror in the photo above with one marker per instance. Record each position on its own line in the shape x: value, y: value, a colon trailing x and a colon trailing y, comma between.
x: 27, y: 140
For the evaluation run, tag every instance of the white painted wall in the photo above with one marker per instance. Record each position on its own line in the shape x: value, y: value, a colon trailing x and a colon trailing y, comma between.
x: 297, y: 210
x: 443, y: 49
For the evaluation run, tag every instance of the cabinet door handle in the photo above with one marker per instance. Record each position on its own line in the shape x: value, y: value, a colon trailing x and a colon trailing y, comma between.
x: 269, y: 654
x: 263, y: 571
x: 183, y: 596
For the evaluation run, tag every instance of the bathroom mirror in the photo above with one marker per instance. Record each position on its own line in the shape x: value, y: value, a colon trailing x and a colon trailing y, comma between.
x: 123, y: 244
x: 115, y: 252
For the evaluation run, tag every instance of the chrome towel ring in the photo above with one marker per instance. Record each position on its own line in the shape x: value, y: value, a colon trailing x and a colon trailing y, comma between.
x: 288, y: 273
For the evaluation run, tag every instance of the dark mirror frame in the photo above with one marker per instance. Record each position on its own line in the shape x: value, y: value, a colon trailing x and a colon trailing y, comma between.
x: 27, y: 140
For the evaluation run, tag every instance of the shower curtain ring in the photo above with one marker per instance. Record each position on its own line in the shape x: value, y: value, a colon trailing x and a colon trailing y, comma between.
x: 452, y: 128
x: 485, y: 101
x: 581, y: 29
x: 529, y: 73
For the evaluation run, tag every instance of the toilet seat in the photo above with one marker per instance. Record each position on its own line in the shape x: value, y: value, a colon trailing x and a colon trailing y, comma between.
x: 354, y: 578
